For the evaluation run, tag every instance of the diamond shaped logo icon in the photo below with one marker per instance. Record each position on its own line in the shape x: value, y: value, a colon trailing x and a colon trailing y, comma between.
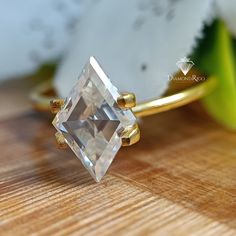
x: 91, y: 120
x: 185, y: 65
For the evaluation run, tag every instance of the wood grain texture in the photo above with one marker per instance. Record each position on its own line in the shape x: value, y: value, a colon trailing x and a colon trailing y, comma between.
x: 180, y: 179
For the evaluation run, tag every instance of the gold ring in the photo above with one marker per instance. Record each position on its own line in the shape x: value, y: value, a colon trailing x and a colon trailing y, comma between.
x: 95, y: 120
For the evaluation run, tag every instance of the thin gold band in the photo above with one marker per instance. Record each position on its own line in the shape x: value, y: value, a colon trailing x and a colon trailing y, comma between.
x: 41, y: 98
x: 174, y: 101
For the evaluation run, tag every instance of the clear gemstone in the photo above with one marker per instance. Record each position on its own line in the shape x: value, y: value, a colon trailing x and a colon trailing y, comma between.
x: 91, y: 120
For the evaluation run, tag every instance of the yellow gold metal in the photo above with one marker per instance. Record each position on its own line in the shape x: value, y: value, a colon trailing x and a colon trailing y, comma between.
x: 41, y: 96
x: 173, y: 101
x: 42, y: 102
x: 56, y: 105
x: 130, y: 135
x: 127, y: 100
x: 60, y: 141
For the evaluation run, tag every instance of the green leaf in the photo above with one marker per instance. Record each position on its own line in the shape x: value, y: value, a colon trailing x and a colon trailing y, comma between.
x: 216, y: 56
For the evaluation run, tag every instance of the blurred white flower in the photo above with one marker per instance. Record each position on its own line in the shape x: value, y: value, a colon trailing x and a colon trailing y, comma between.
x: 226, y: 9
x: 34, y: 32
x: 138, y: 43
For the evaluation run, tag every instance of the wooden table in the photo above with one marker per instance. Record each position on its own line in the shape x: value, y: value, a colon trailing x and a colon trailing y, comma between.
x: 180, y: 179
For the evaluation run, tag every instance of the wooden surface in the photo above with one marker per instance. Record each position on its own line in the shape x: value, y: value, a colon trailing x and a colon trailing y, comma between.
x: 179, y: 180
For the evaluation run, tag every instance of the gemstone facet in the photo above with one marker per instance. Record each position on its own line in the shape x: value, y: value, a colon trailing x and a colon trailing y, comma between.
x: 91, y: 120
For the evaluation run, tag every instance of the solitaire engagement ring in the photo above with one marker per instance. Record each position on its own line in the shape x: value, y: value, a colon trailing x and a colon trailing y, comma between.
x: 95, y: 119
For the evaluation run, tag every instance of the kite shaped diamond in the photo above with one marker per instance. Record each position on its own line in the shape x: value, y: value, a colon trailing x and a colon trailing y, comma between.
x: 91, y: 120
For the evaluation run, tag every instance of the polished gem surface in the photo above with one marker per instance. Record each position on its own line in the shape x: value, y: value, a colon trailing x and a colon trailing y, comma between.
x: 91, y: 120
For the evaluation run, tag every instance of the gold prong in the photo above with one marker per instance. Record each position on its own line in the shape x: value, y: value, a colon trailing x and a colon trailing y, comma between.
x: 60, y: 140
x: 131, y: 135
x: 56, y: 105
x: 127, y: 100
